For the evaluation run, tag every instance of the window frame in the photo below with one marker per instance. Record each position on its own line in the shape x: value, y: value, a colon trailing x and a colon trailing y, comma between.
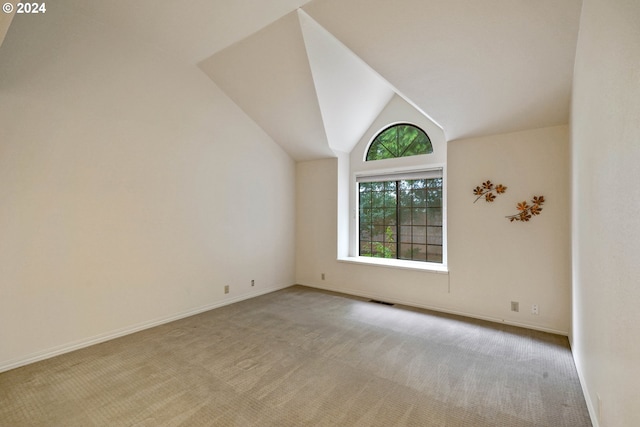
x: 394, y: 262
x: 398, y: 226
x: 393, y: 126
x: 353, y: 164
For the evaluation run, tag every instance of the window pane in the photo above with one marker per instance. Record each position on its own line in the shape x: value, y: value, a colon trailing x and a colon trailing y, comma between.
x: 377, y: 216
x: 390, y: 234
x: 434, y: 254
x: 417, y: 184
x: 405, y: 234
x: 434, y: 235
x: 390, y: 216
x: 434, y: 198
x: 365, y: 248
x: 377, y: 186
x: 405, y: 136
x: 419, y: 252
x: 378, y: 151
x: 378, y: 233
x: 377, y: 199
x: 390, y: 250
x: 419, y: 216
x: 434, y: 216
x: 419, y: 146
x: 390, y: 199
x: 419, y: 235
x: 365, y: 186
x: 365, y: 216
x: 419, y: 198
x: 434, y: 183
x: 380, y: 250
x: 390, y: 186
x: 406, y: 198
x: 365, y: 199
x: 365, y: 232
x: 405, y: 216
x: 400, y: 140
x: 405, y: 251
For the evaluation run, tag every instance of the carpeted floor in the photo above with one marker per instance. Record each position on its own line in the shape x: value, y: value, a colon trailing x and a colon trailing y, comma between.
x: 303, y: 357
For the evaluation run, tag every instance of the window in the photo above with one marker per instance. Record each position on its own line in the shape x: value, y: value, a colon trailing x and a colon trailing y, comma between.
x: 400, y: 216
x: 399, y: 140
x: 400, y: 213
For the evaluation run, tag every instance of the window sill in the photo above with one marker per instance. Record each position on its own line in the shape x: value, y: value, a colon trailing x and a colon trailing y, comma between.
x: 397, y: 263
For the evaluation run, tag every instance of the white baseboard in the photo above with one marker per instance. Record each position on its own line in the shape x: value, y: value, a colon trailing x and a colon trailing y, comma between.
x: 76, y: 345
x: 593, y: 414
x: 371, y: 295
x: 86, y: 342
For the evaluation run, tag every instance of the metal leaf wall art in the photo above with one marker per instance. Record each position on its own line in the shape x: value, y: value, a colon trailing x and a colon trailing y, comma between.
x: 487, y: 190
x: 525, y: 210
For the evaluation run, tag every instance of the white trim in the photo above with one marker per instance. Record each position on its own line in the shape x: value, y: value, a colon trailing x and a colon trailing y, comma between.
x: 400, y: 176
x: 397, y: 263
x: 411, y: 169
x: 593, y: 413
x: 86, y: 342
x: 371, y: 295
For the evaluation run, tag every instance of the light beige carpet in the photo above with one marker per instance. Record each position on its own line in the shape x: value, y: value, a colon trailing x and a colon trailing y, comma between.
x: 302, y: 357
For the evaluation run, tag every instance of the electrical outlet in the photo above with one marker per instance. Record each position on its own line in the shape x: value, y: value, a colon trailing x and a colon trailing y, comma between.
x: 322, y: 275
x: 226, y: 289
x: 534, y: 309
x: 253, y: 282
x: 515, y: 306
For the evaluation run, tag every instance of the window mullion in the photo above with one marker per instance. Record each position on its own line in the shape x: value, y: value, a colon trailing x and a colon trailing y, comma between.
x: 409, y: 146
x: 392, y: 135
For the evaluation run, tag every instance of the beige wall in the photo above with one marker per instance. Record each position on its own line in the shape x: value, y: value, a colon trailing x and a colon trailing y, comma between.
x: 132, y: 189
x: 606, y: 202
x: 492, y: 261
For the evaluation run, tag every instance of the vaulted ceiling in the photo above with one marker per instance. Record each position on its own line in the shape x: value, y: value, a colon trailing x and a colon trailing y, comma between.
x: 306, y: 89
x: 5, y: 19
x: 314, y: 74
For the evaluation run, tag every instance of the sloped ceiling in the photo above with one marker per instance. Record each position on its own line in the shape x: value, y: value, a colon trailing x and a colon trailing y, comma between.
x: 476, y: 67
x: 191, y: 30
x: 351, y: 94
x: 6, y: 18
x: 302, y: 86
x: 314, y: 78
x: 268, y: 76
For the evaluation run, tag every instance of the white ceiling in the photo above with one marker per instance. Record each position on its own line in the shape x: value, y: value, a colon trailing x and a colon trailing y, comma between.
x: 192, y: 30
x: 476, y: 67
x: 315, y: 79
x: 302, y: 86
x: 269, y: 77
x: 350, y: 93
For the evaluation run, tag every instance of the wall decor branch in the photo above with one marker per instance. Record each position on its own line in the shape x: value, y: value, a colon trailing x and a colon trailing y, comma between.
x: 487, y: 190
x: 527, y: 210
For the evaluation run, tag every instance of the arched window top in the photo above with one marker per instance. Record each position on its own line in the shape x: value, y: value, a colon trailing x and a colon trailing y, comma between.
x: 399, y: 140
